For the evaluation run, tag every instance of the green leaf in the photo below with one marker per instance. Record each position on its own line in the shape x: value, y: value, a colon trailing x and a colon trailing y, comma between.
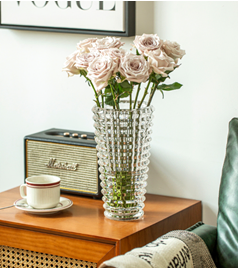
x: 158, y: 78
x: 137, y: 52
x: 169, y: 87
x: 162, y: 79
x: 125, y: 84
x: 124, y: 94
x: 107, y: 90
x: 124, y: 89
x: 109, y: 100
x: 162, y: 93
x: 154, y: 80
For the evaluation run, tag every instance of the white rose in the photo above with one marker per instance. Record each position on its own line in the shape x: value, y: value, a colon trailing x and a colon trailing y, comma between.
x: 107, y: 42
x: 85, y: 45
x: 100, y: 71
x: 160, y: 62
x: 134, y: 67
x: 69, y: 66
x: 173, y: 50
x: 147, y: 42
x: 83, y: 60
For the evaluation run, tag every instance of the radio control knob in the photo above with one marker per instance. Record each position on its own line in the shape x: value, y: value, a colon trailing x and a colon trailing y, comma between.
x: 75, y: 135
x: 66, y: 134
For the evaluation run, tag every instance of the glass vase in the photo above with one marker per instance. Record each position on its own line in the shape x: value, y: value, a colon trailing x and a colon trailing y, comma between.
x: 123, y: 143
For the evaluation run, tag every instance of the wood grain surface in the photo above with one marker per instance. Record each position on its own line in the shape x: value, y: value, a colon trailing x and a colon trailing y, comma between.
x: 82, y: 229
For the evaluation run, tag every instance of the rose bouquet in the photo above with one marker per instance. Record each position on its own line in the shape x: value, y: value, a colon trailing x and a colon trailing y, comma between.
x: 114, y: 73
x: 123, y: 117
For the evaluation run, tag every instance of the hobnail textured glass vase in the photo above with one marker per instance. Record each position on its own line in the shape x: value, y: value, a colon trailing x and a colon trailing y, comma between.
x: 123, y: 143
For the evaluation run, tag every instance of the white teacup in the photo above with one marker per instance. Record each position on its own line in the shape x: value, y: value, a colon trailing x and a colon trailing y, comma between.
x: 42, y: 191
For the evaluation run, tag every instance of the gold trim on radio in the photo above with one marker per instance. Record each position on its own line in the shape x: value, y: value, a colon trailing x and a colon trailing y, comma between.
x: 84, y: 191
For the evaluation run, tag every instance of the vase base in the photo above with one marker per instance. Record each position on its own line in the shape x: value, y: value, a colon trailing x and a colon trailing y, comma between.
x: 124, y: 217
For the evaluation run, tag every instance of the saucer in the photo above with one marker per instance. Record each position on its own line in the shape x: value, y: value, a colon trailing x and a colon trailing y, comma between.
x: 63, y: 204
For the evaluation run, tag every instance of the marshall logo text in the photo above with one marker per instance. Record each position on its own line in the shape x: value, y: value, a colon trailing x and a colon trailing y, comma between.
x: 59, y: 165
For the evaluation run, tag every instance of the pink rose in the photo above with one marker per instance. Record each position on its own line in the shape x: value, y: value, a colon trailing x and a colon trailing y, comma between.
x: 134, y: 68
x: 85, y: 45
x: 107, y: 42
x: 173, y: 50
x: 100, y: 71
x: 160, y: 62
x: 69, y: 66
x: 115, y: 53
x: 147, y: 42
x: 83, y: 60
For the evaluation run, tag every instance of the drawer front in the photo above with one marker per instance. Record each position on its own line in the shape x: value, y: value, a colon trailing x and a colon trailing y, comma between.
x: 59, y: 247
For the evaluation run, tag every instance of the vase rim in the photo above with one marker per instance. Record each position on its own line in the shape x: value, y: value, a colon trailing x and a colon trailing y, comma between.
x: 108, y: 107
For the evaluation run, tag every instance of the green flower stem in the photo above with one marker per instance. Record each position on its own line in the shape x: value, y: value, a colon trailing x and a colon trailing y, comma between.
x: 145, y: 93
x: 84, y: 73
x: 113, y: 94
x: 137, y: 94
x: 96, y: 95
x: 152, y: 94
x: 123, y: 192
x: 119, y: 90
x: 130, y: 101
x: 130, y: 96
x: 103, y: 101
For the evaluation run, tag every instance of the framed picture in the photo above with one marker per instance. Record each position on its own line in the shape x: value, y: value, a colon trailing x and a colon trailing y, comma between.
x: 83, y: 17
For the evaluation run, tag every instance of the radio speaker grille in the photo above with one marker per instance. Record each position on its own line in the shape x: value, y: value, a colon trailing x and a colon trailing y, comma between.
x: 63, y: 158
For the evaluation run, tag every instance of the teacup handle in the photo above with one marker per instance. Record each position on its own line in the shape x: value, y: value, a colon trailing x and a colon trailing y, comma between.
x: 22, y: 192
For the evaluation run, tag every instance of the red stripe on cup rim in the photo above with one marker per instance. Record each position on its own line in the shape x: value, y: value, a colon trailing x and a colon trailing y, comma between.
x: 43, y: 181
x: 54, y: 184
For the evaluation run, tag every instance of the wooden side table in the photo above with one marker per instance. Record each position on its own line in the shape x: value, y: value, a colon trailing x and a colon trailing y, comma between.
x: 81, y: 236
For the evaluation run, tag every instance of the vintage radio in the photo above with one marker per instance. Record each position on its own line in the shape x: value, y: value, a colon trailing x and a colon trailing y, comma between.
x: 69, y: 154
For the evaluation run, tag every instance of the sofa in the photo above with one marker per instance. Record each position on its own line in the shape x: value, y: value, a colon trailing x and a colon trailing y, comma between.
x: 222, y: 240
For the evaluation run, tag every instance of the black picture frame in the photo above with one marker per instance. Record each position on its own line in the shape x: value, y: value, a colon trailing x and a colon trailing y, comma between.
x: 129, y: 11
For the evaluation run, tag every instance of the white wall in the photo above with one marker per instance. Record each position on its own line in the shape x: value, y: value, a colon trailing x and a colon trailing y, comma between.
x: 190, y: 125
